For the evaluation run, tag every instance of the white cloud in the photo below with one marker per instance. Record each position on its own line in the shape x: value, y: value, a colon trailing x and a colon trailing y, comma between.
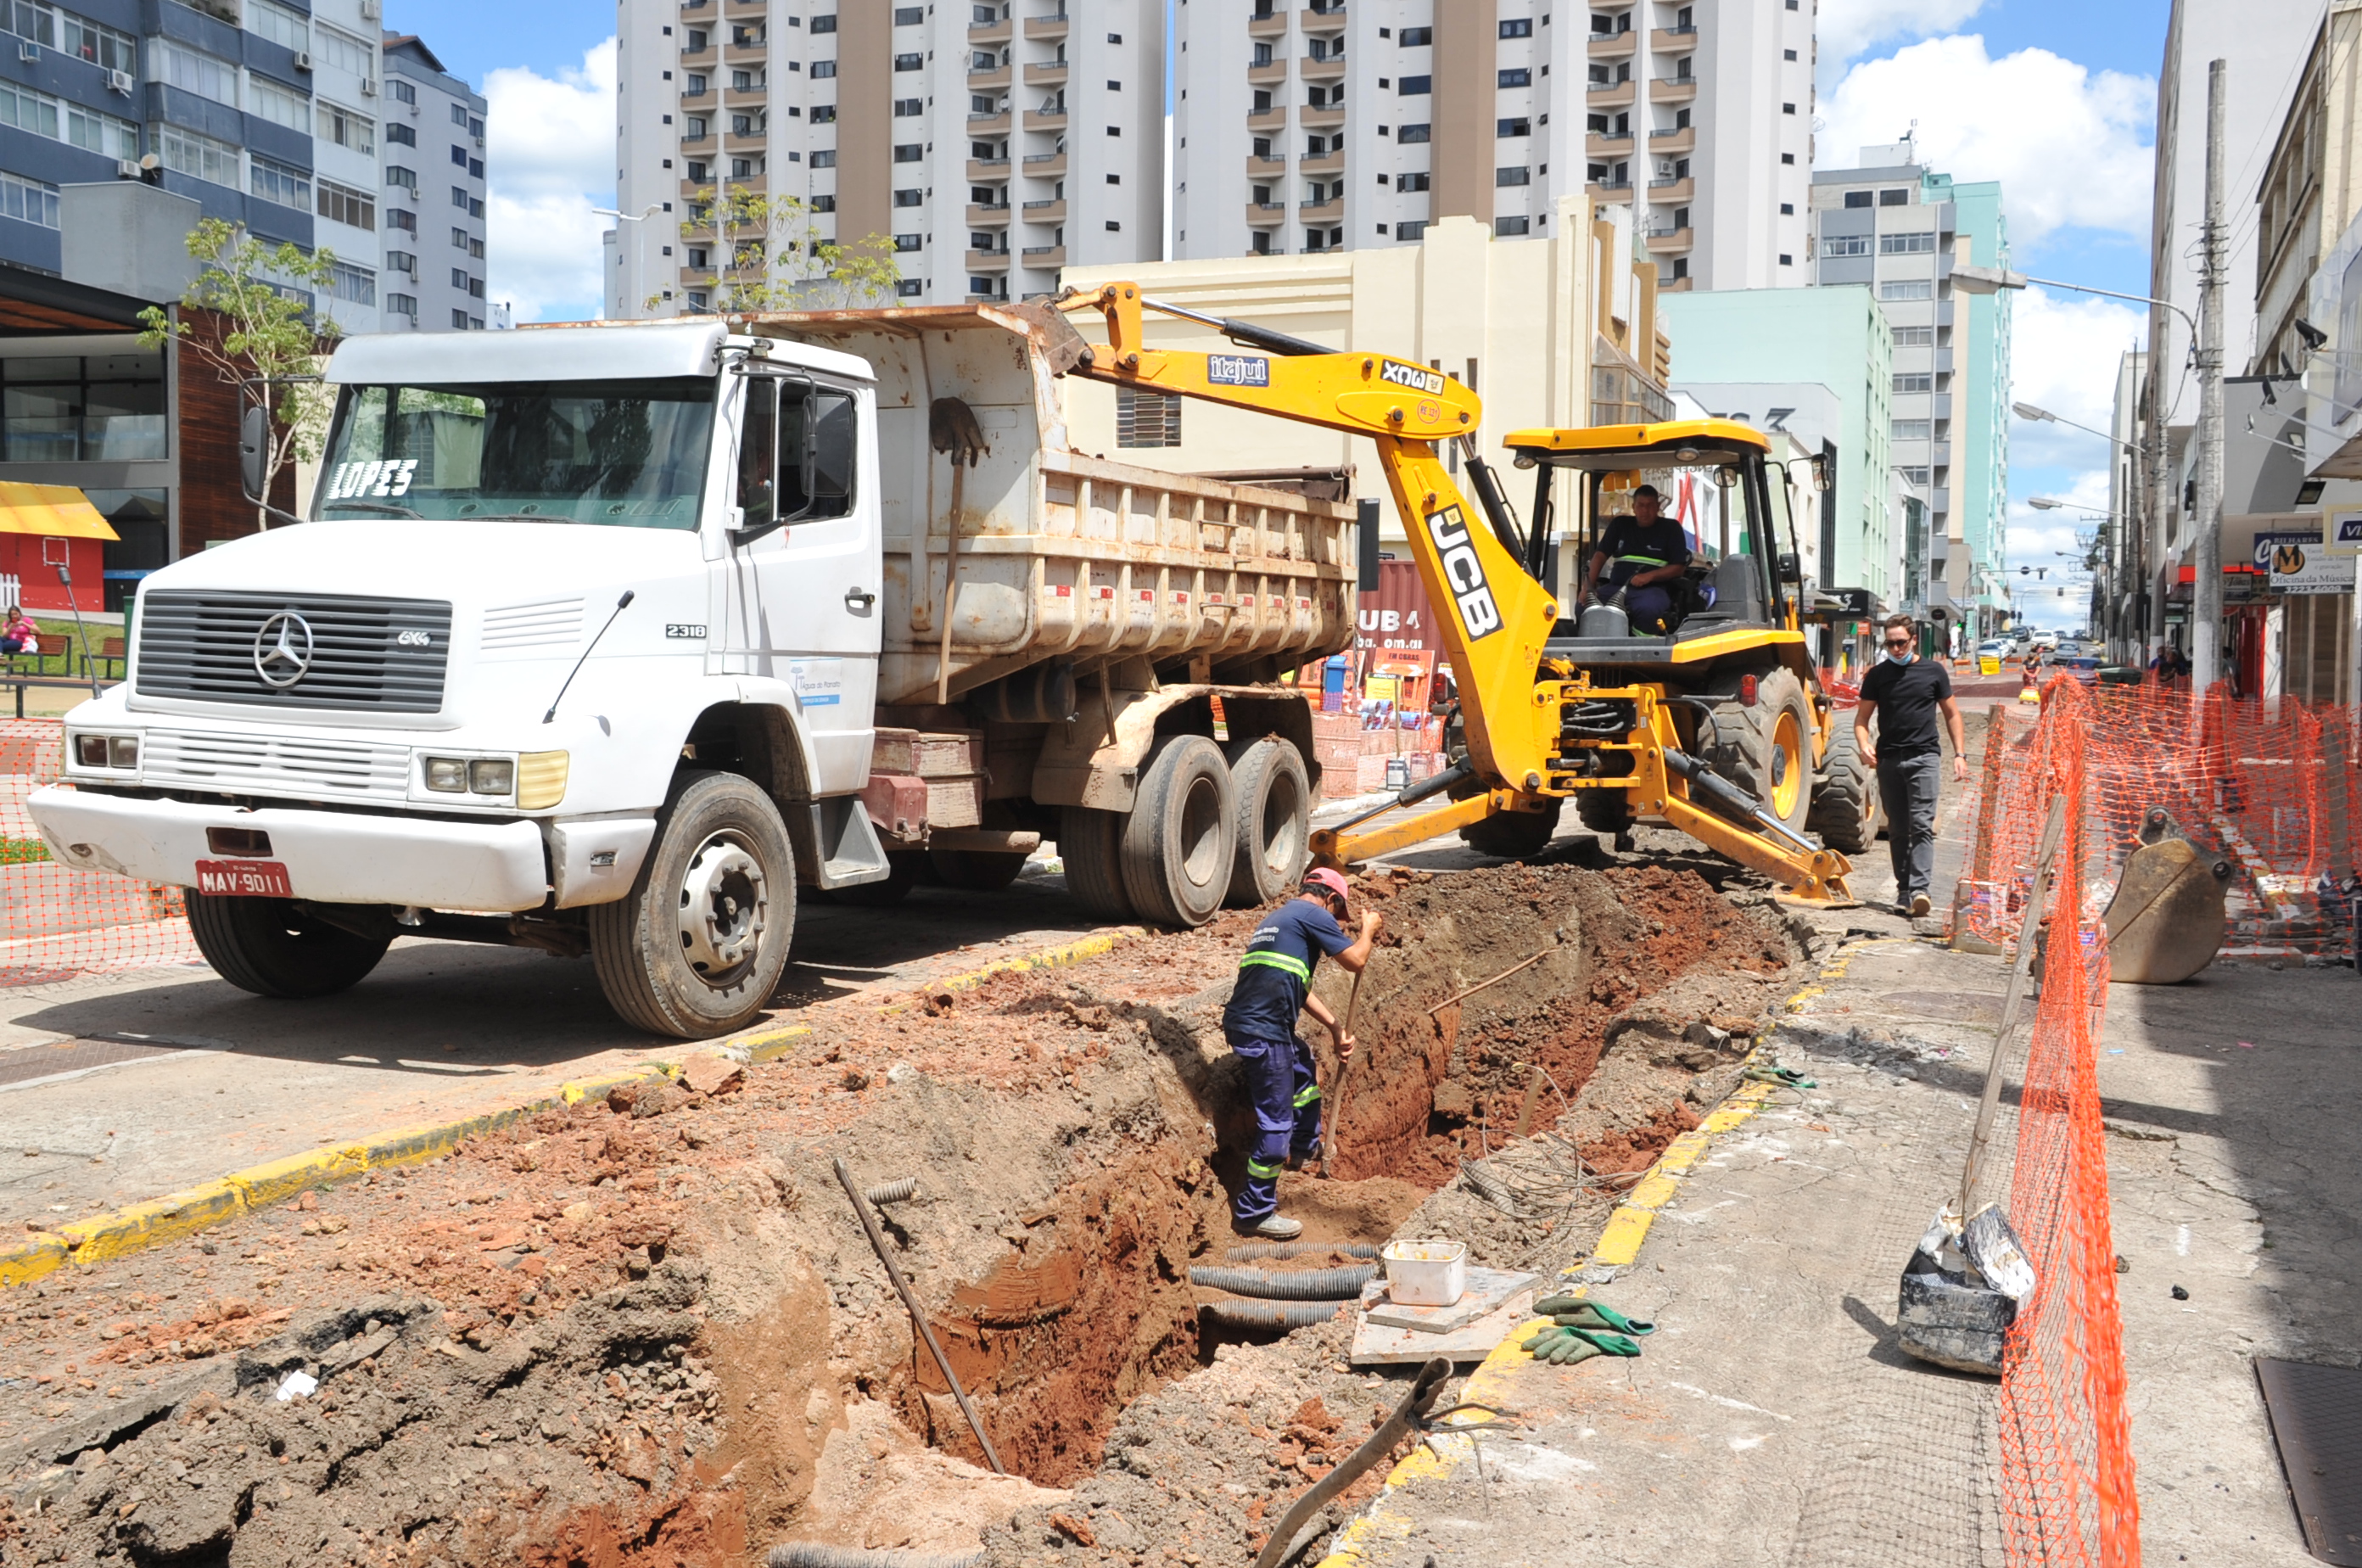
x: 552, y: 160
x: 2064, y: 351
x: 2068, y: 144
x: 1846, y: 28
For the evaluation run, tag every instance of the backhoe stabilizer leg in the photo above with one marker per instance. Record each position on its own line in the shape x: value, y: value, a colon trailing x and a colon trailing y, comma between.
x: 1815, y: 878
x: 1336, y: 849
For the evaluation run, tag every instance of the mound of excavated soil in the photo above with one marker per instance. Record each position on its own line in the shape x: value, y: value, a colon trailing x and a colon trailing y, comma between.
x: 651, y: 1329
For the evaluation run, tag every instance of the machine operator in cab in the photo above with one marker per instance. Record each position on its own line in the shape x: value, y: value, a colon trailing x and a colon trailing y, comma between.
x: 1274, y: 984
x: 1644, y: 555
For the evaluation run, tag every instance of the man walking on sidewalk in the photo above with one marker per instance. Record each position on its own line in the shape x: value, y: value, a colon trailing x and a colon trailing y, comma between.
x: 1274, y: 983
x: 1907, y: 692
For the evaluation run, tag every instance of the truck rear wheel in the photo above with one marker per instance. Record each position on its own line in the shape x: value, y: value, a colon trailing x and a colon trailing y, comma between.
x: 270, y: 947
x: 1273, y: 820
x: 977, y: 871
x: 1512, y: 835
x: 1765, y: 748
x: 696, y: 947
x: 1844, y: 799
x: 1090, y: 844
x: 1180, y: 842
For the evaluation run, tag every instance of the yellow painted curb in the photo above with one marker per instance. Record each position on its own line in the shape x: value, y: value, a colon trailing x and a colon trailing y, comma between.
x: 106, y: 1237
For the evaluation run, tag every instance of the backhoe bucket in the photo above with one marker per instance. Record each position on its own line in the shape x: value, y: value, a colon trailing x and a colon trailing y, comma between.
x: 2167, y: 920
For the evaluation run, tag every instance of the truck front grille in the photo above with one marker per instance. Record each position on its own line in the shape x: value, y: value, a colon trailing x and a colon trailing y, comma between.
x: 262, y: 763
x: 294, y: 650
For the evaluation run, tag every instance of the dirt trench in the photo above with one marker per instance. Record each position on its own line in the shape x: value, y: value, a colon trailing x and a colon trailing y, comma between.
x: 651, y: 1331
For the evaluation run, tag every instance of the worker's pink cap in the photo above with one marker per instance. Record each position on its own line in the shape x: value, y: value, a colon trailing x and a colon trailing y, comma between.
x: 1334, y: 881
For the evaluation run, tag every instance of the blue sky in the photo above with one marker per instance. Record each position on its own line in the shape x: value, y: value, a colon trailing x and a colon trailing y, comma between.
x: 2054, y: 101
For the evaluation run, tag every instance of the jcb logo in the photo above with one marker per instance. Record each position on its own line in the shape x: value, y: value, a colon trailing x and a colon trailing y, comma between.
x: 1411, y: 376
x: 1464, y: 572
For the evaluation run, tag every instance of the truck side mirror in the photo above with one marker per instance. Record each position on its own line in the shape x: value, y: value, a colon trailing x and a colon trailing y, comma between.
x: 254, y: 450
x: 1792, y: 568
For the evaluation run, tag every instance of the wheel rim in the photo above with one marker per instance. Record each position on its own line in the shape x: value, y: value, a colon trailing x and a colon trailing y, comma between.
x: 1201, y: 832
x: 1788, y: 769
x: 724, y: 906
x: 1279, y: 831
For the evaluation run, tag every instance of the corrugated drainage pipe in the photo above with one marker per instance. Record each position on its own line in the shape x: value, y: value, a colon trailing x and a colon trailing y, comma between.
x: 1254, y: 1250
x: 1312, y: 1285
x: 813, y: 1554
x: 1275, y: 1314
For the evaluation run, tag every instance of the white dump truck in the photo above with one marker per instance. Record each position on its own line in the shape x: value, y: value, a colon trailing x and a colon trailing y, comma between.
x: 609, y: 638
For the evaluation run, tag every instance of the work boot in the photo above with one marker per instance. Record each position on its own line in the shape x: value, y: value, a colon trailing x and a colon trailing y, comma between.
x: 1271, y: 1227
x: 1919, y: 905
x: 1297, y: 1161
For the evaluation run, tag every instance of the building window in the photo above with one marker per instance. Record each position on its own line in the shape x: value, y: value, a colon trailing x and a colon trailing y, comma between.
x: 1788, y: 158
x: 909, y: 198
x: 824, y: 203
x: 92, y: 410
x: 1787, y: 260
x: 1518, y: 127
x: 357, y: 285
x: 177, y: 65
x: 351, y: 128
x: 1680, y: 268
x: 1409, y: 135
x: 341, y: 204
x: 459, y: 154
x: 823, y: 24
x: 909, y: 288
x: 1910, y: 430
x: 1511, y: 227
x: 1410, y: 230
x: 1513, y: 176
x: 1415, y: 86
x: 910, y: 15
x: 906, y: 108
x: 1787, y: 108
x: 280, y: 183
x: 288, y: 29
x: 1787, y: 209
x: 395, y: 218
x: 1920, y: 244
x: 28, y: 201
x: 1146, y: 419
x: 1915, y: 381
x: 1895, y: 198
x: 909, y: 62
x: 1414, y: 181
x: 1520, y: 77
x: 1915, y: 338
x: 1844, y: 244
x: 909, y: 153
x: 102, y: 46
x: 1857, y: 198
x: 401, y: 261
x: 459, y: 321
x: 824, y: 158
x: 458, y: 197
x: 203, y: 157
x: 403, y: 92
x: 905, y: 242
x: 1906, y: 289
x: 1518, y: 28
x: 343, y: 51
x: 398, y: 135
x: 823, y: 114
x: 266, y: 99
x: 1418, y: 38
x: 823, y: 68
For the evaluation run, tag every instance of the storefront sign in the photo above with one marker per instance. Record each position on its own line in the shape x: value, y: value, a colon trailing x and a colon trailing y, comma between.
x: 2344, y: 533
x: 2299, y: 563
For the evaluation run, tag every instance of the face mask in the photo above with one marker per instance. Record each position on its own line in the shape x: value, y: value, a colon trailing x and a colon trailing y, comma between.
x: 1906, y: 657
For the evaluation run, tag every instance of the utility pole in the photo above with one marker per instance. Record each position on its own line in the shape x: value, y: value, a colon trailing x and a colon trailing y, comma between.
x: 2206, y: 597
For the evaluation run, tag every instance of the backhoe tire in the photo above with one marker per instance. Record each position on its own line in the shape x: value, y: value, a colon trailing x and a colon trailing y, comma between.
x: 695, y: 949
x: 1607, y: 812
x: 1180, y: 843
x: 1512, y: 835
x: 1767, y: 748
x: 1273, y: 820
x: 908, y: 870
x: 272, y: 948
x: 977, y: 871
x: 1090, y: 844
x: 1845, y: 796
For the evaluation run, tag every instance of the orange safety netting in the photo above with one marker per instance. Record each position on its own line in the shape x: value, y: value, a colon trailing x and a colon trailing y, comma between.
x: 55, y: 921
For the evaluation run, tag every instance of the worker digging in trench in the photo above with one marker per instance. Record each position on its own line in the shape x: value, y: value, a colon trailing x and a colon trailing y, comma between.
x: 1274, y: 984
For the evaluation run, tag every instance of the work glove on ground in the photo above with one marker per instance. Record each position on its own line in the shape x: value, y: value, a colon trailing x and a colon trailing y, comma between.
x: 1577, y: 1312
x: 1560, y: 1347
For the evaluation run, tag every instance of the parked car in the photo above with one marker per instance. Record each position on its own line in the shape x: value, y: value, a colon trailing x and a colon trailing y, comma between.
x: 2048, y: 640
x: 2083, y: 667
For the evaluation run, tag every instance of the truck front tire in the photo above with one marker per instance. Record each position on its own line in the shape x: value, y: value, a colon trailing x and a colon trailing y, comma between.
x: 1090, y: 844
x: 1180, y: 842
x: 1845, y: 798
x: 1273, y: 826
x: 696, y: 947
x: 269, y: 947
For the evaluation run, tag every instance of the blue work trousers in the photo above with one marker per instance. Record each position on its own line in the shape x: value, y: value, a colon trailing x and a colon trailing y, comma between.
x: 1285, y: 1093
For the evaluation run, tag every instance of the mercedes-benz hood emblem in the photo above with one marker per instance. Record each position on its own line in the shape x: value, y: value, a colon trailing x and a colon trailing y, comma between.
x: 283, y: 650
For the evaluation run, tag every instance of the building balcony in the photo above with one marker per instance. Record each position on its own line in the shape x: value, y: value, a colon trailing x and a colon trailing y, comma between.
x: 1330, y: 70
x: 1265, y: 168
x: 746, y: 54
x: 987, y: 260
x: 1673, y: 40
x: 1053, y: 74
x: 994, y: 81
x: 1330, y: 211
x: 1327, y: 163
x: 1613, y: 46
x: 699, y: 56
x: 1672, y: 90
x: 1329, y: 118
x: 1262, y: 212
x: 983, y: 35
x: 1050, y: 122
x: 1330, y: 19
x: 1608, y: 144
x: 696, y: 143
x: 1050, y: 28
x: 1681, y: 190
x: 1269, y: 120
x: 1671, y: 241
x: 987, y: 169
x: 687, y: 97
x: 989, y: 125
x: 1045, y: 166
x: 1044, y: 212
x: 1614, y: 96
x: 1274, y: 26
x: 1271, y: 74
x: 981, y: 216
x: 1045, y: 257
x: 745, y: 98
x: 1673, y: 143
x: 1609, y: 189
x: 1676, y: 285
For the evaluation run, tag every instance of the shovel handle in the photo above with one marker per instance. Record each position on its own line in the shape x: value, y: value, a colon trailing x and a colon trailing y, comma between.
x: 1344, y: 1072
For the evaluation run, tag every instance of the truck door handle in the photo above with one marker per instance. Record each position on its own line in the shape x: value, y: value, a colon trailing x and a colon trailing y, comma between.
x: 859, y: 599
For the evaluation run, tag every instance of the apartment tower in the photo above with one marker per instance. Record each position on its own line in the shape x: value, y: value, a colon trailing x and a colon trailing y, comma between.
x: 983, y: 146
x: 434, y: 214
x: 1324, y: 128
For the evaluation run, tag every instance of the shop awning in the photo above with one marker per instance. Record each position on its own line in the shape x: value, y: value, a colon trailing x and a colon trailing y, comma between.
x: 51, y: 511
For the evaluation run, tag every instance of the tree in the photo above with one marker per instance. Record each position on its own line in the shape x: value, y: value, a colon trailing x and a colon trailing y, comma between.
x: 771, y: 256
x: 258, y: 324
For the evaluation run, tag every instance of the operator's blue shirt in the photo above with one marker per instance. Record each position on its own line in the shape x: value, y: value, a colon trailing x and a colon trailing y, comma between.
x: 1276, y: 970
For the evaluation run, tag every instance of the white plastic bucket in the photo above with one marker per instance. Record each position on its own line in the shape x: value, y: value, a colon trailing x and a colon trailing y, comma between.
x: 1426, y: 1274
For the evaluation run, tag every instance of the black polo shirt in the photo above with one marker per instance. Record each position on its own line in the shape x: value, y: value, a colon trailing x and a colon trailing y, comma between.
x: 1906, y: 696
x: 1633, y: 547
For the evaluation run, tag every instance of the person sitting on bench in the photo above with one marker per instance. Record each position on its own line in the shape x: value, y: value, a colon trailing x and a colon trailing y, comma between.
x: 19, y: 634
x: 1644, y: 556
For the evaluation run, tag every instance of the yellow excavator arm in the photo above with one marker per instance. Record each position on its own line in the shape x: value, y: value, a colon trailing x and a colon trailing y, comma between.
x: 1498, y: 618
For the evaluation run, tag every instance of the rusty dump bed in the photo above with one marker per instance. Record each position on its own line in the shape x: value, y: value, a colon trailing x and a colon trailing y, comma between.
x: 1051, y: 552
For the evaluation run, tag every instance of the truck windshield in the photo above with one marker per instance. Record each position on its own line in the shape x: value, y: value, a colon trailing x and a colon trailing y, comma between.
x: 627, y: 454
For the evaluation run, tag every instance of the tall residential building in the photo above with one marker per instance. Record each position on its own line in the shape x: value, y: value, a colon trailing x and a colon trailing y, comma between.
x: 434, y: 158
x: 984, y: 145
x: 1696, y: 115
x: 1898, y: 226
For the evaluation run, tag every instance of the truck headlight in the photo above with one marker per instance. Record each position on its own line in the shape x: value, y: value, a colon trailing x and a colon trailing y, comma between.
x: 488, y: 776
x: 447, y: 775
x: 107, y: 751
x: 540, y: 780
x: 123, y: 751
x: 91, y: 750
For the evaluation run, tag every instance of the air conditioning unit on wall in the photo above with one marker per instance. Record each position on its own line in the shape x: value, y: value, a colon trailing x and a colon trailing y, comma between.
x: 369, y: 88
x: 302, y: 60
x: 119, y: 82
x: 369, y: 10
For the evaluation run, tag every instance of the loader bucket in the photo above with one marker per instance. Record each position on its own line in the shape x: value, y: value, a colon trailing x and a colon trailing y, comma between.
x: 2167, y: 920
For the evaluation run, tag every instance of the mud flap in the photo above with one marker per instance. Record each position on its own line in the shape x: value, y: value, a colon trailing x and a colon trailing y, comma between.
x: 2168, y: 919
